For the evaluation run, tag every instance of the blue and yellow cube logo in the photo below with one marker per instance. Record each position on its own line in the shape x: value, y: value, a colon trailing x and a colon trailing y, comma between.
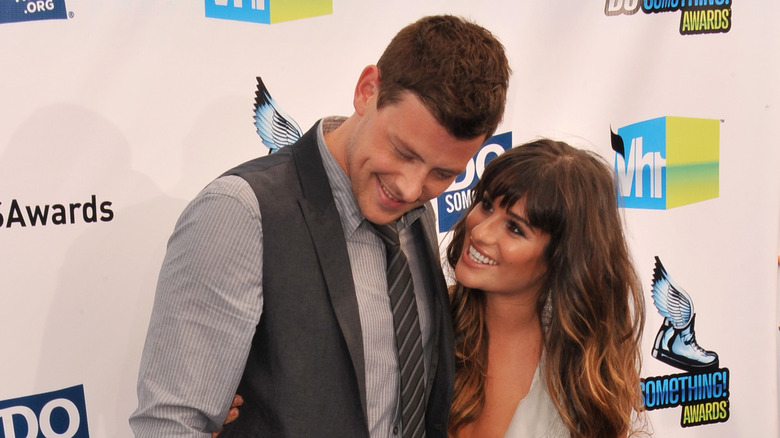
x: 667, y: 162
x: 267, y: 11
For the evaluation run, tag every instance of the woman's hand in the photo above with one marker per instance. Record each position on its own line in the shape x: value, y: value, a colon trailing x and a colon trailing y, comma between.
x: 232, y: 412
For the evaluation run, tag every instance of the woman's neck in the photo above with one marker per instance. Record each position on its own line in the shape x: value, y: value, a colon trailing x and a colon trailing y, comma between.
x: 514, y: 350
x: 511, y: 315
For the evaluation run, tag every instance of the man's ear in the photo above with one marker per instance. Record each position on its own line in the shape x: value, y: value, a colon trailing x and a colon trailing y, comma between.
x: 366, y: 89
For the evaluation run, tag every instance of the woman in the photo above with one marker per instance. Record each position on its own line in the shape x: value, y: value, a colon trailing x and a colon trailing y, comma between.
x: 547, y: 307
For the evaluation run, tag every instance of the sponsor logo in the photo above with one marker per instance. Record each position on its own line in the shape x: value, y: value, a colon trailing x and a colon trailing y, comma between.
x: 15, y: 214
x: 457, y: 198
x: 667, y: 162
x: 267, y: 11
x: 30, y: 10
x: 57, y: 414
x: 696, y: 16
x: 703, y: 391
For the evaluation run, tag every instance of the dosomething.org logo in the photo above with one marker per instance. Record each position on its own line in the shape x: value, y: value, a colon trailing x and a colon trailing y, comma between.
x: 697, y: 16
x: 457, y: 198
x: 667, y: 162
x: 12, y: 11
x: 267, y: 11
x: 57, y: 414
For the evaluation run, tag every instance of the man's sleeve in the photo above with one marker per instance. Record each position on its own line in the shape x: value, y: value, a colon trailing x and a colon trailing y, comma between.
x: 207, y: 305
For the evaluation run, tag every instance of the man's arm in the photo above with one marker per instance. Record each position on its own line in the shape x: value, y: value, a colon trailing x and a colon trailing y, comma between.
x: 208, y: 303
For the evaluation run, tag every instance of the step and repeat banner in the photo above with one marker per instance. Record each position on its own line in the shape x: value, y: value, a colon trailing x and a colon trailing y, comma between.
x: 114, y: 114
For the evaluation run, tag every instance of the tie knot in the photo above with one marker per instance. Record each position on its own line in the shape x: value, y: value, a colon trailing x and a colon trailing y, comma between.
x: 388, y: 233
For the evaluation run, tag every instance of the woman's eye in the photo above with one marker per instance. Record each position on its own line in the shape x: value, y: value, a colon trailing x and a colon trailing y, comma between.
x: 487, y: 205
x: 515, y: 228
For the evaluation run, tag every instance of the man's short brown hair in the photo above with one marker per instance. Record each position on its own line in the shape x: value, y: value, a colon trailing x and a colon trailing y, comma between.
x: 458, y: 70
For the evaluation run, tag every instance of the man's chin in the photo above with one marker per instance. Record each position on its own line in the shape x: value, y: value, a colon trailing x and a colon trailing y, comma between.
x: 382, y: 219
x: 381, y: 216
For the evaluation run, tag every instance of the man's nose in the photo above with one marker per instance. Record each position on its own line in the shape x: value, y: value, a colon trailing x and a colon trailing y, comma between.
x: 411, y: 182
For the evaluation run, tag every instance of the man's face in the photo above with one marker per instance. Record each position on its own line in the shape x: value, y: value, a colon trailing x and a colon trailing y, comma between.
x: 399, y: 157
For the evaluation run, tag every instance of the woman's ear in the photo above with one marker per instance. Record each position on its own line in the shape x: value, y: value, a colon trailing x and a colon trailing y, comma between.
x: 366, y: 89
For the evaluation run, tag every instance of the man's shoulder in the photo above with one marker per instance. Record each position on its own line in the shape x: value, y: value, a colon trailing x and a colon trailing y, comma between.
x: 224, y: 192
x: 260, y: 164
x: 228, y: 185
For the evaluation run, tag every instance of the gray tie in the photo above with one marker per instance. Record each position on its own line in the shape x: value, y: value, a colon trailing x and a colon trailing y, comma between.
x: 407, y: 333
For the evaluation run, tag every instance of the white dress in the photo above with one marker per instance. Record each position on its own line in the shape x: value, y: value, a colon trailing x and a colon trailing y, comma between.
x: 536, y: 416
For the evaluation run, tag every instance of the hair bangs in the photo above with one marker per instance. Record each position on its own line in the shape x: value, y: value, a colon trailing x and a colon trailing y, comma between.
x: 529, y: 178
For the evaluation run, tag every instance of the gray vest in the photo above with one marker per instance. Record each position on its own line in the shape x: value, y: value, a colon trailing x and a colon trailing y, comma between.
x: 305, y: 374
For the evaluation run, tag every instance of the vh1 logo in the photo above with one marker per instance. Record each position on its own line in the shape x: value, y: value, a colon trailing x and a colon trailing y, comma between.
x: 667, y: 162
x: 267, y: 11
x: 457, y: 198
x: 57, y: 414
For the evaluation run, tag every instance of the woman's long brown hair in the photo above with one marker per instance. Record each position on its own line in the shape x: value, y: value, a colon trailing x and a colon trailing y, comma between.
x: 591, y: 347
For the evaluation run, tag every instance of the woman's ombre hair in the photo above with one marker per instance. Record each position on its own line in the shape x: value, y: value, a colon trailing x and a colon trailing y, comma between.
x: 592, y: 344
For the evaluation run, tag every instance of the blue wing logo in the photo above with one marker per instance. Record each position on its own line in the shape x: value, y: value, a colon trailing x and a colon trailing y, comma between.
x: 675, y: 343
x: 672, y: 302
x: 275, y: 128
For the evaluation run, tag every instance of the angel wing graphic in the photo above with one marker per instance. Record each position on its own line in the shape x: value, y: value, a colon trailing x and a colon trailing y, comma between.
x: 275, y: 128
x: 670, y: 299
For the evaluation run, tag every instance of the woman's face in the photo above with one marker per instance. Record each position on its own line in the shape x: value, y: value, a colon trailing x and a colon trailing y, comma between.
x: 502, y: 252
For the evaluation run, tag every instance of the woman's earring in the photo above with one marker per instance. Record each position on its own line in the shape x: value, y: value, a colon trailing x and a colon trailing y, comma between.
x: 547, y: 313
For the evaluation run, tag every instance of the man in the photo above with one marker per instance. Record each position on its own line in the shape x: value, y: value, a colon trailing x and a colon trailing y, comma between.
x: 274, y: 284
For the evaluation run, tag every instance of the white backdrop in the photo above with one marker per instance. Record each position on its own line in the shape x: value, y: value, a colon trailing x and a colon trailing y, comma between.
x: 129, y: 108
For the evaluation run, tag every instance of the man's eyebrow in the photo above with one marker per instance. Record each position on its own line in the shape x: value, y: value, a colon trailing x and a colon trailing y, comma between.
x: 405, y: 148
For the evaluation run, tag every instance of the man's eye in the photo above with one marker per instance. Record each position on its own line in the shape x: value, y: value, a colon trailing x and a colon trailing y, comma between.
x: 403, y: 155
x: 444, y: 175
